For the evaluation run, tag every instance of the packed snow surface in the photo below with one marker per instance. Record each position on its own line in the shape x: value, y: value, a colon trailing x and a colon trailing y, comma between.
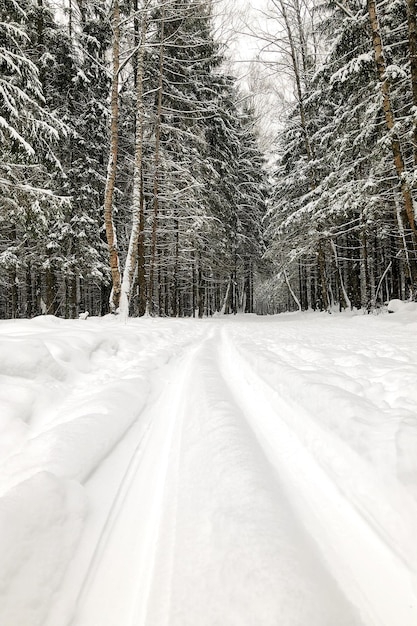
x: 237, y: 471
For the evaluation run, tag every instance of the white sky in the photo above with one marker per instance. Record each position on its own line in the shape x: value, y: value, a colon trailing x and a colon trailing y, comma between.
x: 240, y: 21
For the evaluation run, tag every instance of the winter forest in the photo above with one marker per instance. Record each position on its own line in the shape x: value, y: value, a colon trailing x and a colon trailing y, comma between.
x: 135, y: 175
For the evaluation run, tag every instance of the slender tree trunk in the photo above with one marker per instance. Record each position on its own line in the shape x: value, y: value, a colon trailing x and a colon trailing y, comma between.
x: 29, y: 294
x: 159, y: 262
x: 200, y: 289
x: 389, y: 116
x: 298, y: 83
x: 412, y: 44
x: 70, y: 19
x: 112, y: 165
x: 309, y: 297
x: 14, y: 294
x: 247, y: 290
x: 175, y: 292
x: 195, y: 285
x: 141, y: 254
x: 74, y: 297
x: 364, y: 271
x: 323, y: 278
x: 140, y: 33
x: 156, y: 169
x: 407, y: 262
x: 40, y: 25
x: 340, y: 276
x: 302, y: 38
x: 50, y: 292
x: 136, y: 240
x: 292, y: 292
x: 251, y: 281
x: 378, y: 289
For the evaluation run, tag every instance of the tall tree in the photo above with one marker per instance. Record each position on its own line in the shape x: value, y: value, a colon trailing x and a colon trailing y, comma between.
x: 112, y: 162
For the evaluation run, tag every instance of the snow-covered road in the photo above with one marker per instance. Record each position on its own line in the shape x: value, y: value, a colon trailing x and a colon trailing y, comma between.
x: 240, y: 471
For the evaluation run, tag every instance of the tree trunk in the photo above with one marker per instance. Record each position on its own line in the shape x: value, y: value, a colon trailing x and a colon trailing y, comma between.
x: 389, y: 116
x: 136, y: 235
x: 323, y: 278
x: 407, y: 261
x: 298, y: 85
x: 112, y: 165
x: 291, y: 291
x: 29, y: 294
x: 141, y: 254
x: 412, y: 45
x: 340, y: 276
x: 50, y: 292
x: 200, y: 289
x: 364, y: 271
x: 156, y: 168
x: 175, y: 290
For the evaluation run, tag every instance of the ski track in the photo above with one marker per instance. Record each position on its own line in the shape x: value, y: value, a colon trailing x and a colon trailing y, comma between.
x: 372, y: 576
x: 237, y: 508
x: 117, y: 583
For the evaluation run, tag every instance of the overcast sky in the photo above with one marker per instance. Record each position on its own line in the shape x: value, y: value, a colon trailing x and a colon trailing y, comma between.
x: 238, y: 25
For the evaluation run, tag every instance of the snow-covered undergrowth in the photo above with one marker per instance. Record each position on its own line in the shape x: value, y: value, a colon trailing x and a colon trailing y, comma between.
x: 135, y: 470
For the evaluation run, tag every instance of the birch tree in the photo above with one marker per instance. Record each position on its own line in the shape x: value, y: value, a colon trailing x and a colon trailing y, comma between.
x: 135, y: 251
x: 389, y: 115
x: 112, y: 163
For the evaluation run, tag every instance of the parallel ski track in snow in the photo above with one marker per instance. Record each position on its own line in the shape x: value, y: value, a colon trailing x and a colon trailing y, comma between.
x: 125, y: 549
x: 162, y: 529
x: 373, y: 577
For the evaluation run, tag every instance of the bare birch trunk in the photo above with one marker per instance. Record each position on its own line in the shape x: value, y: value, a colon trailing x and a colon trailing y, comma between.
x: 389, y: 116
x: 226, y: 298
x: 298, y: 81
x: 138, y: 199
x: 112, y: 165
x: 291, y: 290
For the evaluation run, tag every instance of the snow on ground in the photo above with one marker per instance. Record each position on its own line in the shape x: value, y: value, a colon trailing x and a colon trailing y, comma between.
x: 238, y: 471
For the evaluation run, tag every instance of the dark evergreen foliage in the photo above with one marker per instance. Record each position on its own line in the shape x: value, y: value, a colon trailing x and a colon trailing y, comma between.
x: 202, y: 169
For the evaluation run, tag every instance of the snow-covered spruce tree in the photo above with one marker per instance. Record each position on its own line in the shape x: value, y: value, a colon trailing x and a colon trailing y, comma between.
x: 28, y: 165
x: 377, y: 151
x: 186, y: 102
x: 69, y: 57
x: 297, y: 249
x: 237, y: 192
x: 83, y: 156
x: 344, y: 90
x: 359, y: 178
x: 357, y: 206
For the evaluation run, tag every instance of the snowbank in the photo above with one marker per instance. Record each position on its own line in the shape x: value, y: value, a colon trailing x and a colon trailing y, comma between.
x: 69, y: 392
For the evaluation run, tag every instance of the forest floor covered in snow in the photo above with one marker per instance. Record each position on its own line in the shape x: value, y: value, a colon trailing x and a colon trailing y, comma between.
x: 235, y: 471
